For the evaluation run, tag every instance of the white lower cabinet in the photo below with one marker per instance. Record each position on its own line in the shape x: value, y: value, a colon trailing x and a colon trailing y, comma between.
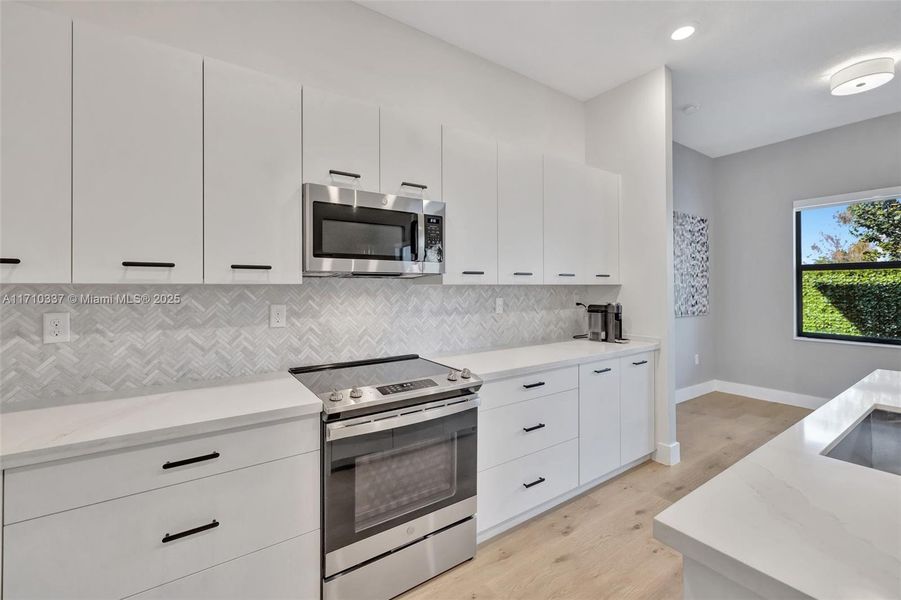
x: 636, y: 407
x: 599, y: 419
x: 520, y: 485
x: 286, y: 570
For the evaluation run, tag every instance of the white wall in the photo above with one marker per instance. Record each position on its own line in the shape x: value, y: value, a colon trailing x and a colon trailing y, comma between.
x: 754, y: 278
x: 629, y: 131
x: 349, y: 49
x: 693, y: 193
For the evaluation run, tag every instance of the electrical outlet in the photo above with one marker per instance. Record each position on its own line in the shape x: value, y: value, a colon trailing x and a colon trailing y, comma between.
x: 56, y: 328
x: 697, y: 359
x: 499, y: 306
x: 278, y: 314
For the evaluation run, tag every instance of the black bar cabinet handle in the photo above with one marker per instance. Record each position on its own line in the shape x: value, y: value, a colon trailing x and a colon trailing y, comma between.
x: 529, y: 386
x: 599, y: 371
x: 603, y: 275
x: 534, y: 427
x: 171, y: 537
x: 566, y: 274
x: 523, y: 273
x: 344, y: 173
x: 536, y: 482
x: 190, y: 461
x: 141, y: 263
x: 413, y: 185
x: 253, y: 267
x: 473, y: 272
x: 641, y: 362
x: 9, y: 261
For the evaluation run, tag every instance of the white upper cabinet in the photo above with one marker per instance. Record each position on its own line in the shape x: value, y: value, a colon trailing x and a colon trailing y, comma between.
x: 410, y: 155
x: 520, y: 215
x: 137, y: 160
x: 601, y: 239
x: 35, y: 199
x: 564, y: 190
x: 252, y: 177
x: 340, y: 141
x: 470, y: 191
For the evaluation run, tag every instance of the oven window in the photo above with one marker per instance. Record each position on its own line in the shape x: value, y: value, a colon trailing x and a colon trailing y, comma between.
x: 396, y: 482
x: 359, y: 232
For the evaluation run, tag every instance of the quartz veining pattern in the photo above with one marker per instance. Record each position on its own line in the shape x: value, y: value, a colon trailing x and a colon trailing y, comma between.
x: 788, y: 515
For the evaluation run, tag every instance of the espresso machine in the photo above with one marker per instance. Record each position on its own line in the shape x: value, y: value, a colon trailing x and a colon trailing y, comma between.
x: 605, y: 322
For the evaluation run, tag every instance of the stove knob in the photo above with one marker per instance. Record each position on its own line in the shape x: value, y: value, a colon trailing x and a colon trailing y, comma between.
x: 356, y: 393
x: 335, y: 396
x: 465, y: 373
x: 452, y: 376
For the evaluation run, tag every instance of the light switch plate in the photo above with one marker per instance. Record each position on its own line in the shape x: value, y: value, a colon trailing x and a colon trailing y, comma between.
x: 278, y: 314
x: 56, y: 328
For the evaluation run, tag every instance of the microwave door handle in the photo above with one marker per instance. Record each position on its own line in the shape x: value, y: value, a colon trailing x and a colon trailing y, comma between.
x: 400, y: 418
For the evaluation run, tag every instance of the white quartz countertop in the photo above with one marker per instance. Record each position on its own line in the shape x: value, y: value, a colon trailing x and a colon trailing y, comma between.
x: 510, y: 362
x: 102, y: 422
x: 789, y: 516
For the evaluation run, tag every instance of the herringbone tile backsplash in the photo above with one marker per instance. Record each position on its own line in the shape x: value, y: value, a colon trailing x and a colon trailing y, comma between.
x: 223, y: 331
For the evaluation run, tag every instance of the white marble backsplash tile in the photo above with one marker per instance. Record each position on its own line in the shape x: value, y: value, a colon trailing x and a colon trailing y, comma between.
x: 222, y: 331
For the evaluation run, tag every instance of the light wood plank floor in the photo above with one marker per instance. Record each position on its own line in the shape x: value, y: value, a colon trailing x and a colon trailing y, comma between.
x: 599, y: 545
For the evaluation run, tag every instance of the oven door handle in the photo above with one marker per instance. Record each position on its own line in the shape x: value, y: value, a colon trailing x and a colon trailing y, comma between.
x: 395, y: 419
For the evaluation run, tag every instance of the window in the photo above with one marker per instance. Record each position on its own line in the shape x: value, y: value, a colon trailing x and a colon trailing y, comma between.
x: 848, y: 268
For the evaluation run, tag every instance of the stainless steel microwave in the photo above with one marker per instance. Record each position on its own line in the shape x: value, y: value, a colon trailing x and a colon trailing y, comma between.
x: 350, y: 232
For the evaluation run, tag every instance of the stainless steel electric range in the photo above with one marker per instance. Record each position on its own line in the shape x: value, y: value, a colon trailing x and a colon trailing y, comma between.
x: 398, y: 472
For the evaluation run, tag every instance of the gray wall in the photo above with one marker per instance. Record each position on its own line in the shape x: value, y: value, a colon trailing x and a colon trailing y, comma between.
x: 693, y: 192
x: 753, y: 280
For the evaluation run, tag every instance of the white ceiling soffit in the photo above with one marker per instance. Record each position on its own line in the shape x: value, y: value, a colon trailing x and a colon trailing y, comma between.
x: 759, y: 71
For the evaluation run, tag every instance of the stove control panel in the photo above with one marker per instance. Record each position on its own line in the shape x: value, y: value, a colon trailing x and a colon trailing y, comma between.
x: 407, y: 386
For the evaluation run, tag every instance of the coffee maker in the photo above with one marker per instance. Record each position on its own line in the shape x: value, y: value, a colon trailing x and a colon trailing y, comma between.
x: 605, y: 322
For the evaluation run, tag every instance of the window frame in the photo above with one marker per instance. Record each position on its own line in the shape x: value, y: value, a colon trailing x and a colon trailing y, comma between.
x: 799, y: 267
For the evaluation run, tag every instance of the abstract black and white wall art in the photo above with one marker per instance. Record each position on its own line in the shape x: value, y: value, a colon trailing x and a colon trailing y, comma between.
x: 691, y: 246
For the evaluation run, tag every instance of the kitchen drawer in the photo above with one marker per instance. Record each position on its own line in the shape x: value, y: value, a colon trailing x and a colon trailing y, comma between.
x: 503, y: 433
x: 116, y: 548
x: 63, y: 485
x: 525, y: 387
x: 502, y: 490
x: 287, y: 570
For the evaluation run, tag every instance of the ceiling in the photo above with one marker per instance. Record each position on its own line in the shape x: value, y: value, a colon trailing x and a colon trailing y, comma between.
x: 758, y: 71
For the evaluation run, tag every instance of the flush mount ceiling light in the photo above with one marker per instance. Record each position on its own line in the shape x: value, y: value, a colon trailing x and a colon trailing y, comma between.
x: 682, y: 33
x: 862, y: 76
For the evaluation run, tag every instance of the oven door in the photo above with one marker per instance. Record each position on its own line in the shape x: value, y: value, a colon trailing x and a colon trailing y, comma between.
x: 350, y: 231
x: 392, y: 478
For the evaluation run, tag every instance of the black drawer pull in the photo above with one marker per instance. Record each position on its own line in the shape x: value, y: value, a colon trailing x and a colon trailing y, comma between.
x: 534, y: 427
x: 413, y: 185
x: 171, y: 537
x: 536, y: 482
x: 599, y: 371
x: 190, y: 461
x: 602, y: 275
x: 529, y: 386
x: 566, y: 274
x: 9, y: 261
x: 344, y: 174
x: 473, y: 272
x: 523, y: 274
x: 141, y: 263
x: 253, y: 267
x: 641, y: 362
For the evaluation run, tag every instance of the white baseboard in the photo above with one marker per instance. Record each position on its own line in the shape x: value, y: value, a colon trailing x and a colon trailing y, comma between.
x: 751, y: 391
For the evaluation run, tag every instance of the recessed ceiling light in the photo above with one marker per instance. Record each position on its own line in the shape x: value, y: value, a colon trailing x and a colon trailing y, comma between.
x: 862, y: 76
x: 683, y: 33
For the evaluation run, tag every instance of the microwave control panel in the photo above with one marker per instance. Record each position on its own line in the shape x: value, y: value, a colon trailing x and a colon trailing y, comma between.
x: 434, y: 238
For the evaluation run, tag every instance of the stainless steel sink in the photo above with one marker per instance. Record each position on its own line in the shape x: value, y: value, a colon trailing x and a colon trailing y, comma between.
x: 875, y: 442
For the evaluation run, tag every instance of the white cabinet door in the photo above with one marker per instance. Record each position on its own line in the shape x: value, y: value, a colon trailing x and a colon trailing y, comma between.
x: 340, y: 140
x: 252, y: 178
x: 636, y: 406
x: 564, y: 189
x: 35, y: 199
x: 410, y: 155
x: 520, y: 215
x: 137, y: 160
x: 599, y: 419
x: 600, y: 255
x: 470, y: 191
